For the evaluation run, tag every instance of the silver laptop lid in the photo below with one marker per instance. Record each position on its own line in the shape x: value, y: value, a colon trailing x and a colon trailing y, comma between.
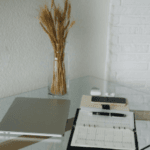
x: 36, y: 116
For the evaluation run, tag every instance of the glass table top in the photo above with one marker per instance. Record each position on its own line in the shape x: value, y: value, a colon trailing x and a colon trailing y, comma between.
x: 138, y: 101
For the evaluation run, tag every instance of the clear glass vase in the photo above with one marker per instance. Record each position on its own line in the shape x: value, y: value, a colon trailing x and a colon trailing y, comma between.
x: 58, y: 80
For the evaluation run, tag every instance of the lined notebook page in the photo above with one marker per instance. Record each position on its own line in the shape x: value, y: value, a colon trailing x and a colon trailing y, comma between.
x: 103, y: 138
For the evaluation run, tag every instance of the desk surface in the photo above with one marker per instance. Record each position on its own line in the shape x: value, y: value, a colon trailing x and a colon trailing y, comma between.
x: 139, y: 102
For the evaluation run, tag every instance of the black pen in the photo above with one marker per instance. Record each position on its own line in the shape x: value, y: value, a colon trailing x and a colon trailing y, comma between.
x: 118, y: 115
x: 109, y: 114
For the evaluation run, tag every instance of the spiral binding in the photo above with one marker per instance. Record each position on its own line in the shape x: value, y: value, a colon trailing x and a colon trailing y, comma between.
x: 113, y: 127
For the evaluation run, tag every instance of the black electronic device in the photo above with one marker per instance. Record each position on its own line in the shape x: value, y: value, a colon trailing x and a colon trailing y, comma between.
x: 108, y: 99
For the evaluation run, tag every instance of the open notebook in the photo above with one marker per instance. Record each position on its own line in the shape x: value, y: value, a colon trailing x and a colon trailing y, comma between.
x: 103, y: 132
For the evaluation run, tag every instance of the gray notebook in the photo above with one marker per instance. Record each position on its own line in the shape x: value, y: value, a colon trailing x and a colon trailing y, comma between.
x: 36, y: 116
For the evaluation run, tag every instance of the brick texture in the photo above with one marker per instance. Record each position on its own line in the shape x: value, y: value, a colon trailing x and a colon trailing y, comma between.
x: 129, y: 57
x: 129, y: 43
x: 126, y: 48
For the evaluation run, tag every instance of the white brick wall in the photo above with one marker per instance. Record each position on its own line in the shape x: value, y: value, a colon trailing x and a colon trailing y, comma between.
x: 129, y: 56
x: 129, y: 43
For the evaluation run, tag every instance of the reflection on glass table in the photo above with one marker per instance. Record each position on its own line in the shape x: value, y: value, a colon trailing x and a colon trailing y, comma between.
x: 138, y: 101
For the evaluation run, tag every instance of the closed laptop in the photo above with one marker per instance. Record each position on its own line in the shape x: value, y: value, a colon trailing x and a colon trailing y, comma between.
x: 36, y: 116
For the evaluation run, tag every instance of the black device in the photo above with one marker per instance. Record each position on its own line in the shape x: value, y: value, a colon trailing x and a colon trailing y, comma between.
x: 106, y: 107
x: 108, y: 99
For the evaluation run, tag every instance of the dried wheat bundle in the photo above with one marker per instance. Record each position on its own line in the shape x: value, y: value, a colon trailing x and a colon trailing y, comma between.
x: 57, y: 28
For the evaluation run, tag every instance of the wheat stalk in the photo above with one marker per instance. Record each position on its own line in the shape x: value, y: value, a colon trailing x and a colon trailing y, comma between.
x: 69, y: 11
x: 57, y: 30
x: 52, y: 3
x: 52, y: 41
x: 65, y: 9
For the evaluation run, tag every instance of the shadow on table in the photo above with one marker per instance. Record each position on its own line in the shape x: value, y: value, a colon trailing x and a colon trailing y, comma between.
x: 22, y: 141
